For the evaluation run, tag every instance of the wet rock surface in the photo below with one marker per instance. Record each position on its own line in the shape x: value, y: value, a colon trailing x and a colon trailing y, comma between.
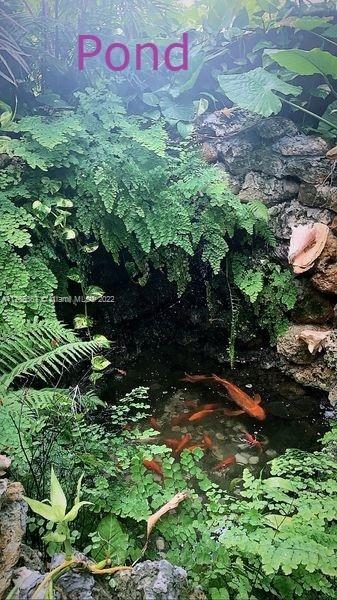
x: 158, y: 580
x: 13, y: 513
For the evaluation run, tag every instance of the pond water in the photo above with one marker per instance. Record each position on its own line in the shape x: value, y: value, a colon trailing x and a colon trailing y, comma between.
x: 296, y: 416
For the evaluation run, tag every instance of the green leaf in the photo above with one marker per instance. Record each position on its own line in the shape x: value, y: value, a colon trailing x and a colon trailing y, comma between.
x: 305, y: 62
x: 114, y: 540
x: 93, y: 293
x: 54, y: 536
x: 64, y: 203
x: 72, y: 514
x: 40, y: 208
x: 89, y: 248
x: 150, y: 99
x: 185, y: 129
x: 277, y: 521
x: 81, y: 322
x: 99, y: 363
x: 280, y: 483
x: 50, y: 513
x: 57, y: 496
x: 69, y: 234
x: 255, y: 91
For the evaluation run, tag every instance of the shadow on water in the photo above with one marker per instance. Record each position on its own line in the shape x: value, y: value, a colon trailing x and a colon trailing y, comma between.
x: 295, y: 415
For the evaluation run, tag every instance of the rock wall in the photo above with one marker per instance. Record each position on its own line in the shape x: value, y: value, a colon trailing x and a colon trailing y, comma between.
x: 270, y: 160
x: 13, y: 512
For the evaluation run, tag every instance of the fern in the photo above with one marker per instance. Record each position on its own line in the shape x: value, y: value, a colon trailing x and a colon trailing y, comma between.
x: 43, y: 349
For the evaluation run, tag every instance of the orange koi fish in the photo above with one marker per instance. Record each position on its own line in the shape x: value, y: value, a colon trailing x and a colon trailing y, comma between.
x: 185, y: 440
x: 171, y: 443
x: 154, y: 423
x: 207, y: 441
x: 226, y: 462
x: 247, y: 404
x: 252, y: 441
x: 202, y: 414
x: 152, y: 465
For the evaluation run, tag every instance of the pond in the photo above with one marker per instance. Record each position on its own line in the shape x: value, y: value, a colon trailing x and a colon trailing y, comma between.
x: 296, y: 416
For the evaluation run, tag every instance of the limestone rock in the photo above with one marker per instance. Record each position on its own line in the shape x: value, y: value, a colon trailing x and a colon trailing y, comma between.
x: 318, y: 196
x: 13, y: 513
x: 221, y: 124
x: 291, y: 347
x: 325, y: 277
x: 301, y: 145
x: 312, y: 306
x: 269, y: 190
x: 158, y: 580
x: 284, y: 219
x: 316, y: 375
x: 276, y: 127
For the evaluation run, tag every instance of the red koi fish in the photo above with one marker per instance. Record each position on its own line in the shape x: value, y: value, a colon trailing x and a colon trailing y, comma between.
x: 195, y: 378
x: 154, y: 466
x: 252, y: 441
x: 202, y: 414
x: 171, y: 443
x: 154, y: 423
x: 207, y: 441
x: 226, y: 462
x: 185, y: 440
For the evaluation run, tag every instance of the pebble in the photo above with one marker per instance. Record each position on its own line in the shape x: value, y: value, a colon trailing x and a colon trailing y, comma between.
x: 219, y: 436
x: 271, y: 453
x: 242, y: 459
x: 176, y: 428
x: 160, y: 543
x: 253, y: 460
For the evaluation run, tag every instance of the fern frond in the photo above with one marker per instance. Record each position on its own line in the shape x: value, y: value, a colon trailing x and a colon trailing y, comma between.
x: 52, y: 363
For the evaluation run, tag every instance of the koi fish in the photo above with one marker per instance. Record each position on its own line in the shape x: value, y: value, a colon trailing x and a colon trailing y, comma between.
x: 185, y: 440
x: 247, y: 404
x: 154, y: 423
x: 252, y: 441
x: 154, y: 466
x: 202, y: 414
x: 226, y: 462
x: 171, y: 443
x: 207, y: 441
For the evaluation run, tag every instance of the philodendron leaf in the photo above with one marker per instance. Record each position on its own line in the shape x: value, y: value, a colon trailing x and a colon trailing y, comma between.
x: 305, y: 62
x: 81, y: 322
x: 57, y: 496
x: 256, y: 89
x: 51, y: 513
x: 72, y: 514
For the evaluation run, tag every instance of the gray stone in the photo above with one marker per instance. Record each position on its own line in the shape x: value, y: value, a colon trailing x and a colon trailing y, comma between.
x: 276, y: 127
x: 319, y: 196
x: 223, y: 124
x: 301, y: 145
x: 269, y: 190
x: 158, y: 580
x: 292, y: 348
x: 284, y: 218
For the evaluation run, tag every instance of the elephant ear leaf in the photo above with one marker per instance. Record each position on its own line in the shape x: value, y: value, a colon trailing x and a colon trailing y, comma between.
x: 305, y: 62
x: 114, y: 541
x: 256, y: 89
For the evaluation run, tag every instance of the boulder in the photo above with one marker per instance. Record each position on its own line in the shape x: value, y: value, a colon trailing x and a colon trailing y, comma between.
x: 318, y: 196
x: 158, y: 580
x: 283, y: 218
x: 291, y: 347
x: 270, y: 190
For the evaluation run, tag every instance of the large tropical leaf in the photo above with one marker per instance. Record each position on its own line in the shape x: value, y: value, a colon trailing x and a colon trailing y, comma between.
x: 114, y: 541
x: 256, y: 89
x: 306, y: 62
